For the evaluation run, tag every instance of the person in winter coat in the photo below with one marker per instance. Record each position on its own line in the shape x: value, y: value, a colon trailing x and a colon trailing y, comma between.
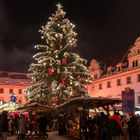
x: 22, y: 127
x: 4, y: 126
x: 133, y: 128
x: 83, y: 125
x: 102, y: 126
x: 115, y: 127
x: 42, y: 122
x: 61, y: 125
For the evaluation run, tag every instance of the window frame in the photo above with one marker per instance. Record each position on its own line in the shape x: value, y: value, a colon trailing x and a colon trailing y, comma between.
x: 138, y: 77
x: 100, y: 86
x: 128, y: 80
x: 108, y: 84
x: 20, y: 91
x: 118, y: 82
x: 1, y: 90
x: 138, y: 99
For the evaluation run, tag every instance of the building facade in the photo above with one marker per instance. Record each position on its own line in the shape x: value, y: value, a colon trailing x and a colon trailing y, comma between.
x: 114, y: 75
x: 12, y: 83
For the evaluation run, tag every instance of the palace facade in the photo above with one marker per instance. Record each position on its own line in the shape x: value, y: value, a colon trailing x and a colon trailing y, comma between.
x: 115, y: 74
x: 12, y: 83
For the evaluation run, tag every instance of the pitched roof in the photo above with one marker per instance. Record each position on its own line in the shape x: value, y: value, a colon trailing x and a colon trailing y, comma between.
x: 13, y: 78
x: 116, y: 58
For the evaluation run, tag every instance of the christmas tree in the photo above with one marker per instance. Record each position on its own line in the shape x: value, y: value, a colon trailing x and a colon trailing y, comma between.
x: 58, y: 74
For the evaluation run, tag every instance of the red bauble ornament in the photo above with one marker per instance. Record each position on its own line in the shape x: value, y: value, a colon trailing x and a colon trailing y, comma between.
x: 64, y: 61
x: 53, y: 104
x: 50, y: 72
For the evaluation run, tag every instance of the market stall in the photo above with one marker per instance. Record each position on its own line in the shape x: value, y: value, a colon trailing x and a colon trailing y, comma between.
x: 79, y: 105
x: 35, y: 107
x: 10, y: 106
x: 90, y: 102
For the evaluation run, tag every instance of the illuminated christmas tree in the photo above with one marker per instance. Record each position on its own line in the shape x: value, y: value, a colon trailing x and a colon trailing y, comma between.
x: 58, y: 74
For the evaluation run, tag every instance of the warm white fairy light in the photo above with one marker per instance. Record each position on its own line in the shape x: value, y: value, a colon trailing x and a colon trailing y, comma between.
x: 49, y: 74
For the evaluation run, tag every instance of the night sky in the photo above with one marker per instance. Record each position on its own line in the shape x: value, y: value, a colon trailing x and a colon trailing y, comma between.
x: 104, y: 27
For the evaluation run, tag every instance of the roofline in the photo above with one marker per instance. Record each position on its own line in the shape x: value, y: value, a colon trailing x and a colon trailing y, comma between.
x: 13, y: 72
x: 131, y: 46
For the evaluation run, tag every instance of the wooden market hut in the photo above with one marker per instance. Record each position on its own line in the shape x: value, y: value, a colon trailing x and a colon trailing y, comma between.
x: 35, y: 107
x: 88, y: 103
x: 77, y: 105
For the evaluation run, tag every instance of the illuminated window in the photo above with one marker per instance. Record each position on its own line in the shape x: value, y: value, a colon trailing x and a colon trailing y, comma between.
x: 128, y: 80
x: 108, y: 84
x: 100, y: 86
x: 20, y: 91
x: 10, y: 91
x: 118, y: 82
x: 1, y: 90
x: 138, y: 77
x: 138, y: 99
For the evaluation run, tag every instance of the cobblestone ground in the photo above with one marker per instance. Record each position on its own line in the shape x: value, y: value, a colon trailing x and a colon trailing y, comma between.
x: 52, y: 136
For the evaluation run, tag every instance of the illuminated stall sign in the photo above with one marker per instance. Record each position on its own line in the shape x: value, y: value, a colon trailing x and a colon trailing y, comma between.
x: 13, y: 98
x: 128, y: 100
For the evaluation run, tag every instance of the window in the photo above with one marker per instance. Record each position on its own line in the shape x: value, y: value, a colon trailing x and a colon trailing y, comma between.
x: 20, y: 91
x: 135, y: 63
x: 138, y: 77
x: 118, y: 82
x: 119, y: 69
x: 1, y: 90
x: 108, y: 84
x: 100, y: 86
x: 10, y: 90
x: 128, y: 80
x: 138, y: 99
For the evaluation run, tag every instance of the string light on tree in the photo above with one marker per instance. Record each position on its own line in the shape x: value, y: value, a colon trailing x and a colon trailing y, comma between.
x: 57, y: 71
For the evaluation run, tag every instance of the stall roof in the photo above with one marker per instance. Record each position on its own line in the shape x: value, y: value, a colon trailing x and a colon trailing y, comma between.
x: 10, y: 106
x: 35, y: 107
x: 90, y: 102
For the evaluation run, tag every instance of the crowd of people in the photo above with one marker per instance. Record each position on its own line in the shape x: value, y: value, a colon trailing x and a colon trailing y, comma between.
x: 22, y: 126
x: 103, y: 126
x: 99, y: 127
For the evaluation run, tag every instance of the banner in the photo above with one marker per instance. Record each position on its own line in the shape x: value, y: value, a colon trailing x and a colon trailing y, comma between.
x: 128, y: 100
